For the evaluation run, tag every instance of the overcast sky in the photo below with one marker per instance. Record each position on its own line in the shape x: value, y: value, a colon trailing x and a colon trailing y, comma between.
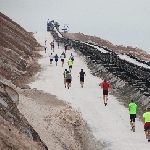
x: 122, y: 22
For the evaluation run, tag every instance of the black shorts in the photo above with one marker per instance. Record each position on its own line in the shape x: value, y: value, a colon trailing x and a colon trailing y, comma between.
x: 72, y: 59
x: 132, y: 117
x: 68, y: 80
x: 51, y: 59
x: 70, y: 66
x: 105, y: 92
x: 62, y: 60
x: 56, y: 60
x: 81, y: 79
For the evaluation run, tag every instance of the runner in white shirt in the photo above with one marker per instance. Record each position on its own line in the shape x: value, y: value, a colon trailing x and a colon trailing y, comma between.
x: 62, y: 58
x: 72, y: 57
x: 51, y: 58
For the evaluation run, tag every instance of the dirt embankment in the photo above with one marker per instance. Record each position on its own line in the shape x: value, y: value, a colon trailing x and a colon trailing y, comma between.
x: 139, y: 53
x: 18, y: 51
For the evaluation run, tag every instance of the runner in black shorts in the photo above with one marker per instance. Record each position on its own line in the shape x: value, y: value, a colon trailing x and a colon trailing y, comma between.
x: 65, y: 76
x: 132, y: 111
x: 105, y: 85
x: 132, y: 117
x: 62, y: 58
x: 56, y: 58
x: 51, y: 58
x: 82, y: 77
x: 66, y: 47
x: 70, y: 66
x: 45, y: 48
x: 105, y: 92
x: 68, y: 79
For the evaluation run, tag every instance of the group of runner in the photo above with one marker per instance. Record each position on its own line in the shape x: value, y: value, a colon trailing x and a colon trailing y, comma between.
x: 105, y: 86
x: 146, y: 119
x: 51, y: 44
x: 62, y: 56
x: 132, y: 111
x: 68, y: 78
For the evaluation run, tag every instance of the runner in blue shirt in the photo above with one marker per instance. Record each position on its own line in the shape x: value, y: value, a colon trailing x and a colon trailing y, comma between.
x: 56, y: 58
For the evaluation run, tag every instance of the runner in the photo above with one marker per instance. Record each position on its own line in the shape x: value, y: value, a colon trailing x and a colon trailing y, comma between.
x: 146, y: 120
x: 62, y: 58
x: 105, y: 85
x: 45, y: 48
x: 65, y: 72
x: 56, y: 58
x: 72, y: 58
x: 68, y: 79
x: 70, y: 64
x: 52, y: 46
x: 64, y: 55
x: 132, y: 111
x: 66, y: 47
x: 45, y: 41
x: 51, y: 58
x: 82, y: 77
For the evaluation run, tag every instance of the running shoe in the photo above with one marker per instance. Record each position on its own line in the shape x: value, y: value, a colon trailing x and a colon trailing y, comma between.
x: 133, y: 129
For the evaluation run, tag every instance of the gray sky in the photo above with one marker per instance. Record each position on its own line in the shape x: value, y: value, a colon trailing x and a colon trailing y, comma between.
x: 122, y: 22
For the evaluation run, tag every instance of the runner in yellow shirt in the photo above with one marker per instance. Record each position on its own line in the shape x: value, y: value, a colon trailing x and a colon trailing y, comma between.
x: 132, y: 111
x: 70, y: 62
x: 146, y: 120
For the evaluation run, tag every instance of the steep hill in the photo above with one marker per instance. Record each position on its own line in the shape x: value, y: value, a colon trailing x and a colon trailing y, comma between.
x: 17, y: 48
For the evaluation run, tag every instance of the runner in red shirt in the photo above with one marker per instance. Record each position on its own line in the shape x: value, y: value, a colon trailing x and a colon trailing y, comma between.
x: 105, y: 85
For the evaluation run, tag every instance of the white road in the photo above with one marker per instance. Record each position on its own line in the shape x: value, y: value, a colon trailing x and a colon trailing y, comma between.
x: 110, y: 123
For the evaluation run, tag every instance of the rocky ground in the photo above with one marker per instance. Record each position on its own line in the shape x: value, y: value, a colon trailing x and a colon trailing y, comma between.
x: 58, y: 124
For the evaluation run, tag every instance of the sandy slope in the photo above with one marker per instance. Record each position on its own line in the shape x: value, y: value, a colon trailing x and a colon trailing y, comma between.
x: 109, y: 124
